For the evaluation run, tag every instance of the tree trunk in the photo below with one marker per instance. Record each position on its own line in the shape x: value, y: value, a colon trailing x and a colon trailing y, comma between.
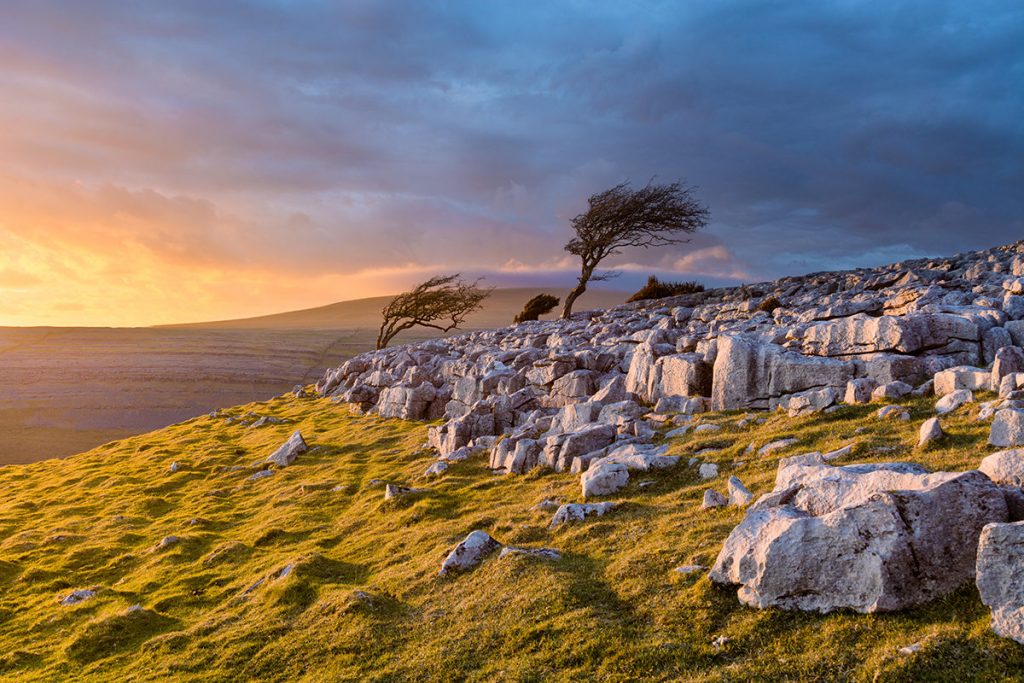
x: 576, y: 293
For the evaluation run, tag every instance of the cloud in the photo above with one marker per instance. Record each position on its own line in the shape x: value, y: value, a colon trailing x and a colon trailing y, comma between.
x: 287, y: 148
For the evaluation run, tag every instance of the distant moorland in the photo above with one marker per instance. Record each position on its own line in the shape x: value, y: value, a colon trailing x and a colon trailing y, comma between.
x: 66, y: 390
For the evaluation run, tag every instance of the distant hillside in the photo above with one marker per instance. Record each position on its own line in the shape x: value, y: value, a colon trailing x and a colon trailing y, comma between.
x: 498, y: 311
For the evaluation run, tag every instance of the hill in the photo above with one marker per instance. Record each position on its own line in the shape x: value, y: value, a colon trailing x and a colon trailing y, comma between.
x: 498, y: 311
x: 206, y: 574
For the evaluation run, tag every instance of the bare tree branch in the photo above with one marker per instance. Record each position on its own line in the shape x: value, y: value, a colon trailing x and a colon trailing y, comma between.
x: 441, y: 303
x: 652, y: 216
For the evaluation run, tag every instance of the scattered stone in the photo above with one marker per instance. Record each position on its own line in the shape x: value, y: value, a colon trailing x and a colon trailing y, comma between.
x: 838, y: 453
x: 893, y: 412
x: 467, y: 554
x: 436, y: 469
x: 167, y: 541
x: 75, y: 597
x: 576, y: 512
x: 720, y: 642
x: 739, y: 495
x: 706, y: 428
x: 713, y: 499
x: 1005, y: 467
x: 541, y: 553
x: 262, y: 474
x: 962, y: 377
x: 289, y: 451
x: 393, y: 491
x: 604, y: 478
x: 708, y: 470
x: 174, y: 467
x: 910, y: 649
x: 859, y: 390
x: 775, y: 446
x: 691, y: 568
x: 891, y: 391
x: 547, y: 504
x: 953, y: 400
x: 931, y: 431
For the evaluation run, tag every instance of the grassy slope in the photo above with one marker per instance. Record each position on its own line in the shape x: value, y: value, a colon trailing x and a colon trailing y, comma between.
x: 611, y: 609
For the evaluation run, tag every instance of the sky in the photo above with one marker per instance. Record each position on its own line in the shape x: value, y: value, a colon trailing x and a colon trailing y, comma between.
x: 193, y: 160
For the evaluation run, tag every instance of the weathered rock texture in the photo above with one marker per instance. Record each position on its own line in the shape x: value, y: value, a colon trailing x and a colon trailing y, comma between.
x: 558, y: 393
x: 862, y: 537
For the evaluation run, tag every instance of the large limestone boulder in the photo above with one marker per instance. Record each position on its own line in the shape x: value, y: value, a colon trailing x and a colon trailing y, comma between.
x: 406, y: 403
x: 1007, y: 429
x: 1000, y: 577
x: 749, y: 373
x: 864, y: 537
x: 604, y: 478
x: 962, y: 377
x: 1005, y: 467
x: 683, y: 375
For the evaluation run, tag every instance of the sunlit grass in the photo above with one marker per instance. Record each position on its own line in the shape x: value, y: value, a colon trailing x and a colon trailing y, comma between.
x: 362, y: 599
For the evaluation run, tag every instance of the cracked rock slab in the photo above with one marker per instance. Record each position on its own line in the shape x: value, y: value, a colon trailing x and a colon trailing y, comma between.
x: 870, y: 538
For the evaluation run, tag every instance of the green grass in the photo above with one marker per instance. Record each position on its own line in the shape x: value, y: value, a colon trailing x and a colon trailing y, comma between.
x: 363, y: 600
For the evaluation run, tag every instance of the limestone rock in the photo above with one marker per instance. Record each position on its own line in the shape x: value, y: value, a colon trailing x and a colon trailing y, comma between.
x: 1005, y: 467
x: 577, y: 512
x: 289, y: 451
x: 713, y: 499
x: 877, y: 538
x: 891, y: 391
x: 1007, y: 429
x: 859, y: 390
x: 931, y: 431
x: 604, y: 478
x: 1000, y: 577
x: 954, y: 400
x: 962, y: 377
x: 739, y: 494
x: 467, y: 554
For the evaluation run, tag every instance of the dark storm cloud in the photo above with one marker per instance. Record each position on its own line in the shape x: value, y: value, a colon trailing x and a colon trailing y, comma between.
x: 320, y: 136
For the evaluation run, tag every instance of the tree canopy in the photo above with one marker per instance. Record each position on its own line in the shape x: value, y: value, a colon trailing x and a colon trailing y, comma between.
x: 621, y: 217
x: 441, y: 303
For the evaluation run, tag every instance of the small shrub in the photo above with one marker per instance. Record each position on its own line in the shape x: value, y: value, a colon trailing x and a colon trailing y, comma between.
x: 536, y: 307
x: 656, y: 289
x: 769, y: 305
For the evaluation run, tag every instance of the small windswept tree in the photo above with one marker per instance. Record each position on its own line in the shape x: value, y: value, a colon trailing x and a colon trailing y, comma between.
x: 536, y: 307
x: 441, y: 303
x: 652, y: 216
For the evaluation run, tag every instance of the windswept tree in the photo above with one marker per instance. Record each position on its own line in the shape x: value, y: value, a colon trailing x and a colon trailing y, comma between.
x: 441, y: 303
x: 536, y: 307
x: 652, y: 216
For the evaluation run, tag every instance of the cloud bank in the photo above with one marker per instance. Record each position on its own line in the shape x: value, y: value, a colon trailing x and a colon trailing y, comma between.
x: 164, y: 162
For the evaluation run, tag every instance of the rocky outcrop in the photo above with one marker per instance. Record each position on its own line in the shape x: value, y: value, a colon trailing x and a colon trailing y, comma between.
x: 562, y: 394
x: 862, y: 537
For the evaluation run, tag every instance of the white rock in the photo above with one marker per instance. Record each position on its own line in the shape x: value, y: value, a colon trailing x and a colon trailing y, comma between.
x: 467, y: 554
x: 713, y: 499
x: 604, y: 478
x: 953, y: 400
x: 289, y: 451
x: 575, y: 512
x: 739, y: 494
x: 777, y: 445
x: 1000, y: 565
x: 75, y: 597
x: 1005, y: 467
x: 1007, y: 429
x: 708, y: 470
x: 931, y: 431
x: 436, y: 469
